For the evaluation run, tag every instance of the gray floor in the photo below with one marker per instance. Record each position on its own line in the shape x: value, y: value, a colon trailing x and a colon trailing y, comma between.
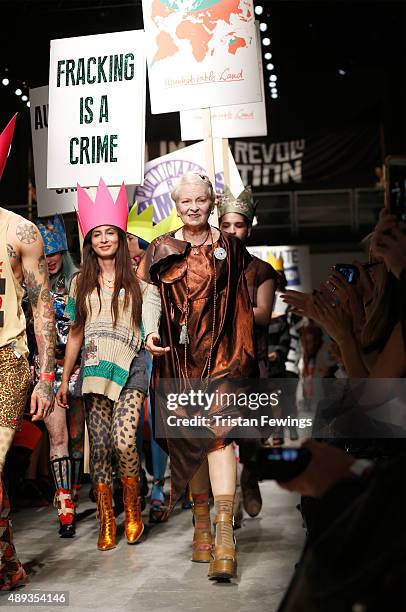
x: 157, y: 575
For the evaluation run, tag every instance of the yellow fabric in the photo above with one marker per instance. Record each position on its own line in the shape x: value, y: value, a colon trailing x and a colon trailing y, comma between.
x: 12, y: 319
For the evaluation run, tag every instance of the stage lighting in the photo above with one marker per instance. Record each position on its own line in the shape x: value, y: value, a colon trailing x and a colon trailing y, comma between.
x: 18, y: 92
x: 28, y: 104
x: 273, y: 77
x: 274, y: 96
x: 341, y: 72
x: 259, y: 9
x: 24, y: 98
x: 263, y: 27
x: 5, y: 81
x: 268, y: 55
x: 270, y: 66
x: 266, y: 42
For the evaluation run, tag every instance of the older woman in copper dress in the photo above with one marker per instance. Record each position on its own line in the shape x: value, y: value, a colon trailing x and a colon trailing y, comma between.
x: 205, y: 334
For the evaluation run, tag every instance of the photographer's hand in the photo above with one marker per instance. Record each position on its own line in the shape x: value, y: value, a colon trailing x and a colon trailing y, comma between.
x: 328, y: 466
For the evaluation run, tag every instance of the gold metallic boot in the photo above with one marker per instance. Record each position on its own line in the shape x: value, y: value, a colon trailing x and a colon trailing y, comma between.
x: 202, y: 538
x: 107, y: 535
x: 133, y: 525
x: 223, y: 564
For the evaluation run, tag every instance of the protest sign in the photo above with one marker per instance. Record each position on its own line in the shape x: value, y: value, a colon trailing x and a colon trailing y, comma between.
x: 97, y: 110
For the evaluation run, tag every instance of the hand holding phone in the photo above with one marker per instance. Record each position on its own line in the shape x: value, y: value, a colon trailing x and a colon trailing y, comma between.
x: 282, y: 463
x: 349, y: 271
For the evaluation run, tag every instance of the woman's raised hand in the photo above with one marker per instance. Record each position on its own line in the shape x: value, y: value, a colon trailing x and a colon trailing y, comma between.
x: 301, y: 303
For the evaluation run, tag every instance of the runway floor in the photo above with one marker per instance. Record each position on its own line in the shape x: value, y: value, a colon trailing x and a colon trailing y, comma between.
x: 157, y: 574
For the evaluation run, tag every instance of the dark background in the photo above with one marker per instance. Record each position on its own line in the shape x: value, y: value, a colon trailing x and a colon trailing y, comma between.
x: 311, y: 42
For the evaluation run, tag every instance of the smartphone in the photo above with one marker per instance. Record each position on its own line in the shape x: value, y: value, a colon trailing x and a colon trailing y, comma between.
x: 350, y: 272
x: 282, y: 463
x: 395, y: 187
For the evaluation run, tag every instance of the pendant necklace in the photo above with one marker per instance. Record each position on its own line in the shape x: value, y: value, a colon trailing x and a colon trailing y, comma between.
x: 196, y: 247
x: 108, y: 282
x: 184, y: 335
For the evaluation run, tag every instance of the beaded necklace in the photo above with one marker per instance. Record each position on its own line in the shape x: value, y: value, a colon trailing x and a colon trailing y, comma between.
x: 184, y: 334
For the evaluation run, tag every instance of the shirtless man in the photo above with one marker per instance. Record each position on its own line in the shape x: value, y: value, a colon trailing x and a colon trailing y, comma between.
x: 21, y: 261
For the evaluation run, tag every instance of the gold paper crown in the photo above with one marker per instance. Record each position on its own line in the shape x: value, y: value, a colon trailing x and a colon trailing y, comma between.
x: 276, y: 262
x: 243, y: 204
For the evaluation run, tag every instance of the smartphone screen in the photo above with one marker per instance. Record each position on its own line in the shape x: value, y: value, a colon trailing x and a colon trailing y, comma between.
x: 283, y: 463
x: 396, y: 187
x: 350, y: 272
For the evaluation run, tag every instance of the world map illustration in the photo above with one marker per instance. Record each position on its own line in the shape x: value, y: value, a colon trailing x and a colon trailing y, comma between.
x: 208, y: 26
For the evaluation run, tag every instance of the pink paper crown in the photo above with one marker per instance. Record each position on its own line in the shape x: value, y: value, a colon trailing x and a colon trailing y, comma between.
x: 5, y: 142
x: 103, y: 211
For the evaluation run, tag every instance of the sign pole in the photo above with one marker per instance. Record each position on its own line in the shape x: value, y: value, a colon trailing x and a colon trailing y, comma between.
x: 209, y: 154
x: 226, y: 163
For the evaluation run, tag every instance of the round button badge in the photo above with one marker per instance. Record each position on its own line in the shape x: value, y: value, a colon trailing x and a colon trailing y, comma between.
x: 220, y: 253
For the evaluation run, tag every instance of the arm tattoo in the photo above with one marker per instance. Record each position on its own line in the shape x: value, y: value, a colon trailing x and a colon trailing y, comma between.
x: 26, y: 233
x: 11, y: 252
x: 32, y: 286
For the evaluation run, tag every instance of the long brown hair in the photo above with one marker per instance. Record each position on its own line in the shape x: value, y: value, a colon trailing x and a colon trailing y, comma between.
x: 88, y: 281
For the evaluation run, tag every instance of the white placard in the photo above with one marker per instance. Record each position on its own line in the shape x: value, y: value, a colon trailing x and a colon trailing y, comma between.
x: 201, y: 53
x: 296, y: 266
x: 235, y: 121
x: 161, y: 175
x: 49, y: 201
x: 97, y: 110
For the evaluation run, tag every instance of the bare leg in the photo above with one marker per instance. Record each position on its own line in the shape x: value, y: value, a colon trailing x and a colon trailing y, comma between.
x: 223, y: 471
x: 12, y: 571
x: 223, y: 476
x: 58, y: 433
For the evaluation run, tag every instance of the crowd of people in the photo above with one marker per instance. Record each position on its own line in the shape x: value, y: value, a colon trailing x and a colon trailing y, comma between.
x: 100, y: 343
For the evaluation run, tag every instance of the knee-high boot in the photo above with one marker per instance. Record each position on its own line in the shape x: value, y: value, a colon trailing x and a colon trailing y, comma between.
x: 202, y: 538
x: 104, y: 499
x: 133, y: 525
x: 61, y: 472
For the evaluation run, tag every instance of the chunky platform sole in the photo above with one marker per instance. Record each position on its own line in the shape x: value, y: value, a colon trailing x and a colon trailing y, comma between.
x: 222, y: 569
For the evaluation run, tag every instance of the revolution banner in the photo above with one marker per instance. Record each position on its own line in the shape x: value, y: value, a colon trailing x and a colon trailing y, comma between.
x: 335, y: 157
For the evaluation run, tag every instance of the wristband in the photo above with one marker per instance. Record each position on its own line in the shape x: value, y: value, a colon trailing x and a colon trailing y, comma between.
x: 48, y: 376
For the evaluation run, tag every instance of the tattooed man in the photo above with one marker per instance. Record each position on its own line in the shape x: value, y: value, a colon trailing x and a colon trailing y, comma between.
x: 22, y: 261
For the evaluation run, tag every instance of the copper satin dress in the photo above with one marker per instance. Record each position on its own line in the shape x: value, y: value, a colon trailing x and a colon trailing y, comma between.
x: 172, y: 265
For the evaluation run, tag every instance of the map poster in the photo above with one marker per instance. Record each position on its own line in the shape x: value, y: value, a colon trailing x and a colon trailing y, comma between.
x: 235, y: 121
x: 201, y: 53
x: 161, y: 174
x: 96, y: 122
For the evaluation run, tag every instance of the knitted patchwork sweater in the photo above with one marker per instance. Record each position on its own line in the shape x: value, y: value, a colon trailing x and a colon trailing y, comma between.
x: 108, y: 350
